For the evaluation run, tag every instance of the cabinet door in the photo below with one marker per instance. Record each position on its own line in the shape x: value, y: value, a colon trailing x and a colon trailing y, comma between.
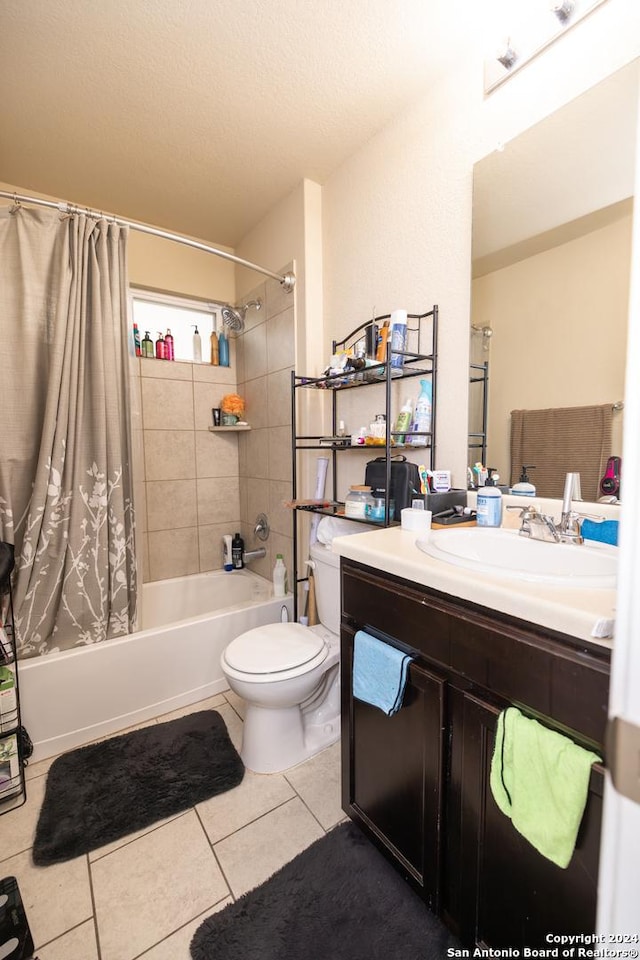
x: 512, y: 896
x: 392, y: 772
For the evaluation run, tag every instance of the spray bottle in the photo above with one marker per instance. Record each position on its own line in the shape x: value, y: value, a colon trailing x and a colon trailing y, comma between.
x: 422, y: 419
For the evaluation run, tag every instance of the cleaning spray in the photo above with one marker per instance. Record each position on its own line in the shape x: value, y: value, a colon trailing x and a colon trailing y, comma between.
x: 422, y: 418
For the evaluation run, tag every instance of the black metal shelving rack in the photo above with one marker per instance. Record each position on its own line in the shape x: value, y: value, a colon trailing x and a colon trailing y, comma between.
x: 479, y: 373
x: 415, y: 364
x: 13, y: 792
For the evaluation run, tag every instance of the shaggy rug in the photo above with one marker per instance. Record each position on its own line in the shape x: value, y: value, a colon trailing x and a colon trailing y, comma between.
x: 104, y: 791
x: 338, y: 900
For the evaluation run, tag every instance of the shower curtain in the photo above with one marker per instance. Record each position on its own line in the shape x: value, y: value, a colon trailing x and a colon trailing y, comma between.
x: 65, y: 445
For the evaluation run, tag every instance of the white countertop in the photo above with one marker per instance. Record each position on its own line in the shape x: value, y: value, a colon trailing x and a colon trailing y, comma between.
x: 571, y: 611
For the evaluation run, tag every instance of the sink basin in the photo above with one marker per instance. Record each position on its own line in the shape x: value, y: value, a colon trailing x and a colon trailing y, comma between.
x: 505, y: 553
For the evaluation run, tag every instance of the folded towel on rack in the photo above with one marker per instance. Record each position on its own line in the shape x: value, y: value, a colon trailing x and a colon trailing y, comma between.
x: 379, y: 672
x: 606, y: 531
x: 540, y: 779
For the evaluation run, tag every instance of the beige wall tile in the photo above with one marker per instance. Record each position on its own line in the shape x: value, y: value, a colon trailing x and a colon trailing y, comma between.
x: 169, y: 454
x: 254, y: 316
x: 216, y: 454
x: 281, y: 341
x: 279, y: 393
x: 163, y: 370
x: 210, y: 537
x: 243, y: 485
x: 255, y: 352
x: 277, y: 298
x: 257, y: 454
x: 226, y: 377
x: 173, y: 553
x: 262, y: 566
x: 283, y: 545
x: 206, y: 396
x: 257, y: 498
x: 280, y: 518
x: 279, y: 453
x: 243, y: 442
x: 255, y: 394
x: 171, y: 504
x: 167, y: 404
x: 218, y: 500
x: 146, y: 575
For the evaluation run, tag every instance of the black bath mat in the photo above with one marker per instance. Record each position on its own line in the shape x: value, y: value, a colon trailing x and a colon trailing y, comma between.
x: 338, y: 900
x: 102, y: 792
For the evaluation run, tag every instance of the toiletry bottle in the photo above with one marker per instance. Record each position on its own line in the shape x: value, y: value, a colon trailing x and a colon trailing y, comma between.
x: 215, y: 350
x: 147, y: 345
x: 489, y: 504
x: 404, y: 421
x: 237, y: 552
x: 169, y: 353
x: 422, y: 418
x: 227, y: 555
x: 197, y: 345
x: 524, y: 487
x: 398, y: 339
x: 136, y: 341
x: 160, y: 351
x: 381, y: 352
x: 223, y: 349
x: 279, y: 577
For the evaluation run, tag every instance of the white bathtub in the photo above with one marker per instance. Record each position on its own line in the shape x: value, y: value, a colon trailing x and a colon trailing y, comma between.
x: 72, y: 697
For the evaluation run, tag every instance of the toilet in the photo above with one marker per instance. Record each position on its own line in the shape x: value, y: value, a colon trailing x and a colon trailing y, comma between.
x: 289, y: 676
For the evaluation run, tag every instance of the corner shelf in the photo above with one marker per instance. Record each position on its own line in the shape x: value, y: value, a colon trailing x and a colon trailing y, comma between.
x: 231, y: 429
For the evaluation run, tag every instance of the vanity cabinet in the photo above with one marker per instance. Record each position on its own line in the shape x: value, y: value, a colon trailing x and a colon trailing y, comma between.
x: 418, y: 782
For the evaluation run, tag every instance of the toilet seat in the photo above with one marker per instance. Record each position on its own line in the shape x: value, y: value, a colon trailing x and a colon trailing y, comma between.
x: 276, y: 651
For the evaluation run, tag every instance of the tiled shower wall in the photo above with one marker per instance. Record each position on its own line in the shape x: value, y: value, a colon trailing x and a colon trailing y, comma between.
x: 198, y: 485
x: 267, y: 355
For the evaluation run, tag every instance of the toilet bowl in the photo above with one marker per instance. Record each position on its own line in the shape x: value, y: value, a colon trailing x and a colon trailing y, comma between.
x: 289, y: 676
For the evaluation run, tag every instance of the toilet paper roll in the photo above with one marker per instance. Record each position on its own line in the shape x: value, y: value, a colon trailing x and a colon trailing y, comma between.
x: 418, y: 520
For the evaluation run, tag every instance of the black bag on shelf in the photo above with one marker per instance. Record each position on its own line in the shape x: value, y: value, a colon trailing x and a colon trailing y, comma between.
x: 405, y: 481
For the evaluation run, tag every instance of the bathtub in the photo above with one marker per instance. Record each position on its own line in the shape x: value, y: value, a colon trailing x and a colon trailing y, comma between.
x: 73, y: 697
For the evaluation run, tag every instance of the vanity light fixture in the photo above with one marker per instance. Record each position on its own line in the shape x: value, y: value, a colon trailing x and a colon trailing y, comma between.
x: 534, y: 26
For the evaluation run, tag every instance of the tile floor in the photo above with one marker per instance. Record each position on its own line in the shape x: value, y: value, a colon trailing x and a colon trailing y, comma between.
x: 145, y: 895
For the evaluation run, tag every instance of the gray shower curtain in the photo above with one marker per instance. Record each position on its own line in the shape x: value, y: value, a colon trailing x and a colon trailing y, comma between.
x: 65, y: 445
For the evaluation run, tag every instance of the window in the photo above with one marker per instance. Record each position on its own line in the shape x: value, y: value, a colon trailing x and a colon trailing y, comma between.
x: 158, y: 312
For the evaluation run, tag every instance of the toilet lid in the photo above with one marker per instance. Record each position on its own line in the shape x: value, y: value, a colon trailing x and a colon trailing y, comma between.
x: 273, y: 648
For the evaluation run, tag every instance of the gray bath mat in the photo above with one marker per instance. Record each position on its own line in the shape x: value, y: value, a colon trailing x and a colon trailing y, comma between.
x: 338, y: 900
x: 102, y: 792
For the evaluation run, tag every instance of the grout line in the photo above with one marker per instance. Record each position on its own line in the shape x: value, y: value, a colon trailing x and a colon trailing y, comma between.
x: 95, y: 912
x: 215, y: 856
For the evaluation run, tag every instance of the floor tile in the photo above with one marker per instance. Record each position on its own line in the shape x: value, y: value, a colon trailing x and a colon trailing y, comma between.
x: 55, y: 898
x: 255, y: 796
x: 176, y: 947
x: 317, y: 782
x: 37, y: 769
x: 78, y: 944
x: 234, y: 724
x: 251, y: 855
x: 147, y: 889
x: 17, y: 828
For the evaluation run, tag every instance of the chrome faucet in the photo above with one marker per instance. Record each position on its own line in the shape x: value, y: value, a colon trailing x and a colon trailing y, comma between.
x: 569, y: 527
x: 256, y: 554
x: 538, y: 526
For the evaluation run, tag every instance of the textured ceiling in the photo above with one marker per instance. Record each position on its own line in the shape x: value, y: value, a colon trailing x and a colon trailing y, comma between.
x: 199, y: 115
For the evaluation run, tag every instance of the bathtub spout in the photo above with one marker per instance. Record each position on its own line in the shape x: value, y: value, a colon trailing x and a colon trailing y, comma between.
x: 256, y: 554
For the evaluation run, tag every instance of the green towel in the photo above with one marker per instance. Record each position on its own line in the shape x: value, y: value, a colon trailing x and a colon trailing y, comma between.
x: 540, y: 779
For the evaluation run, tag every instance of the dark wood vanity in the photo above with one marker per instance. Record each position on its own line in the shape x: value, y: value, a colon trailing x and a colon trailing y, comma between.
x: 418, y: 782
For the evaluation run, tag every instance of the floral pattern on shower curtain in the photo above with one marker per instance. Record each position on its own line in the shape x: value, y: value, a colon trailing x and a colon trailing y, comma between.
x: 65, y: 440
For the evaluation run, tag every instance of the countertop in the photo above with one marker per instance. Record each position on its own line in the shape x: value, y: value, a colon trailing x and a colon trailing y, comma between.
x: 570, y: 611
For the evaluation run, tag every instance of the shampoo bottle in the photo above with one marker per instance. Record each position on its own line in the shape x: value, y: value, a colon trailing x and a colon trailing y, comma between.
x: 227, y: 556
x: 237, y: 552
x: 223, y: 349
x: 422, y: 418
x: 279, y: 577
x: 489, y: 503
x: 160, y: 351
x: 404, y: 421
x: 147, y: 345
x: 398, y: 339
x: 197, y: 345
x: 169, y: 353
x: 215, y: 351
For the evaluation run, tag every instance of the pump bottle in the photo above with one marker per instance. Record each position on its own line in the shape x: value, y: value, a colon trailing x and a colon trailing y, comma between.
x: 489, y: 505
x: 160, y: 347
x: 147, y: 345
x: 169, y: 353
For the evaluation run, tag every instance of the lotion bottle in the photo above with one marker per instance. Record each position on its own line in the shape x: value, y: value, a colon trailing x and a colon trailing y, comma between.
x: 227, y: 556
x: 489, y: 505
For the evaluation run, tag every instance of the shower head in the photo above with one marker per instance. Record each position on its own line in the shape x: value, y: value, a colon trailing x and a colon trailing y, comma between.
x: 233, y: 317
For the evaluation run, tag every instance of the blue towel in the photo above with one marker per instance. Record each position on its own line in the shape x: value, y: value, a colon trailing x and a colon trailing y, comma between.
x: 606, y: 531
x: 379, y: 672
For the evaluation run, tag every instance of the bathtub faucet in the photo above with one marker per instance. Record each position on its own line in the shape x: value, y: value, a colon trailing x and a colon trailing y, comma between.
x: 256, y: 554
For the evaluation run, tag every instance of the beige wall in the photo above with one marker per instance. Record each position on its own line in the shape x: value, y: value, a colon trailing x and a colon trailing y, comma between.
x: 559, y: 323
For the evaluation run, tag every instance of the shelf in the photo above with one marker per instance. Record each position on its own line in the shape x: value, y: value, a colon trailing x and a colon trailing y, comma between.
x: 236, y: 428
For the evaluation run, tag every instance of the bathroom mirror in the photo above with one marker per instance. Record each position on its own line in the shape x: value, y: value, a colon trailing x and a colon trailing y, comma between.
x: 551, y: 251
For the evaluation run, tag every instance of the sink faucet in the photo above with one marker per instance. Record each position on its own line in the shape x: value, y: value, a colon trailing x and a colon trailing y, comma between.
x: 538, y: 526
x: 569, y: 527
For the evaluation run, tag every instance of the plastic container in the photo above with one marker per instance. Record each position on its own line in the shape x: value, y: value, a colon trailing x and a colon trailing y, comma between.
x: 383, y: 336
x: 197, y: 345
x: 227, y: 556
x: 422, y: 417
x: 237, y: 552
x: 136, y: 341
x: 160, y: 348
x: 147, y: 345
x: 375, y: 511
x: 223, y: 349
x: 398, y: 339
x: 489, y: 505
x: 169, y: 352
x: 357, y: 502
x: 213, y: 341
x: 279, y: 577
x: 404, y: 421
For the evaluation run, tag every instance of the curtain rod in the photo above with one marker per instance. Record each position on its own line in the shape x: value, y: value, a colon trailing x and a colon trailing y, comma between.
x: 287, y: 280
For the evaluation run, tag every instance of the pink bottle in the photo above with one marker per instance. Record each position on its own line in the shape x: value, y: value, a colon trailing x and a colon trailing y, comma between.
x: 168, y: 346
x: 160, y: 348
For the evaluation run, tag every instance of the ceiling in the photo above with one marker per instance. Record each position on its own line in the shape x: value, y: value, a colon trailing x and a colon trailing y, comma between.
x: 199, y: 115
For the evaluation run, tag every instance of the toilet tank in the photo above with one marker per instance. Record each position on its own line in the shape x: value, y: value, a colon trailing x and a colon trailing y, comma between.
x: 327, y: 583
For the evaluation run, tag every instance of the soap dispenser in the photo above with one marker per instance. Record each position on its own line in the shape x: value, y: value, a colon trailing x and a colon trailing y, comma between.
x: 489, y: 504
x: 524, y: 487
